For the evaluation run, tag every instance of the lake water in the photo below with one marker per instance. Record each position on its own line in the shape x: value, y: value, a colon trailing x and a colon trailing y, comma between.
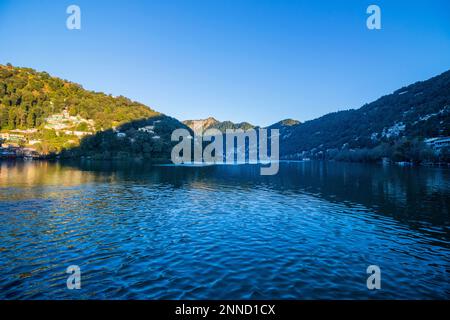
x: 223, y: 232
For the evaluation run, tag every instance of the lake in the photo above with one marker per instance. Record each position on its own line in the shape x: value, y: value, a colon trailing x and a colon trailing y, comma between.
x: 139, y: 231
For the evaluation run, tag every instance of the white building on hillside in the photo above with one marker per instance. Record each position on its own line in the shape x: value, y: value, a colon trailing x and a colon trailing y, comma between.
x: 147, y: 129
x: 438, y: 143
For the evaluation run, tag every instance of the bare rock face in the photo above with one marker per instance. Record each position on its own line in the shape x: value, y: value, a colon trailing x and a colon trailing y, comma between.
x: 198, y: 126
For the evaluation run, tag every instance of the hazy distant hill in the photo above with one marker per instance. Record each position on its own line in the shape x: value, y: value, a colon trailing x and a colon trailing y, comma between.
x: 415, y: 112
x: 210, y: 123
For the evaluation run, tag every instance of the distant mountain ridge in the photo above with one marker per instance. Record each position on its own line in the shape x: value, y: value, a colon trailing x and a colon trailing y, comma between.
x: 212, y: 123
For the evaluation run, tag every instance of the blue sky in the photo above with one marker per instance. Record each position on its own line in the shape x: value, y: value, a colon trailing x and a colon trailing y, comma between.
x: 241, y: 60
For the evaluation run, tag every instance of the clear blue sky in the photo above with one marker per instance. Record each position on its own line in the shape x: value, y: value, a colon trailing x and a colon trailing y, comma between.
x: 241, y: 60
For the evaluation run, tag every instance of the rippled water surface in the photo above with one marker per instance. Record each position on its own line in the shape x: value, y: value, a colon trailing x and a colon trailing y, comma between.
x: 149, y: 232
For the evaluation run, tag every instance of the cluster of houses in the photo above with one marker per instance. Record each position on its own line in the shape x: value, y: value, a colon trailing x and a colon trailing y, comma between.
x: 13, y: 152
x: 64, y: 121
x: 150, y: 130
x: 18, y: 137
x: 12, y: 137
x: 12, y: 142
x: 11, y: 145
x: 147, y: 129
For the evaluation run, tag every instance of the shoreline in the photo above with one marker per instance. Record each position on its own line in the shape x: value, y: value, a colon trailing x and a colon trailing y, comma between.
x: 168, y: 163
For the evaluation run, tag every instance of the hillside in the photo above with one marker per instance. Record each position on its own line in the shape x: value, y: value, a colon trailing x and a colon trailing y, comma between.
x: 50, y: 115
x: 285, y: 127
x: 54, y: 116
x: 284, y: 124
x: 409, y: 115
x: 140, y: 139
x: 27, y: 97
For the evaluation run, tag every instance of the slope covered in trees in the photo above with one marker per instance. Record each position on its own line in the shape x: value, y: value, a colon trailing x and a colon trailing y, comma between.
x: 28, y: 97
x: 401, y: 120
x: 140, y: 139
x: 55, y: 116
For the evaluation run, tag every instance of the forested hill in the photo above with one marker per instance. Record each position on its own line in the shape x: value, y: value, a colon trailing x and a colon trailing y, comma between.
x: 412, y: 113
x: 53, y: 116
x: 28, y: 97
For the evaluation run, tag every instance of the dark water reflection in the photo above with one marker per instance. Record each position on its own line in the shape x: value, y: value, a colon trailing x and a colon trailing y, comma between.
x: 159, y: 232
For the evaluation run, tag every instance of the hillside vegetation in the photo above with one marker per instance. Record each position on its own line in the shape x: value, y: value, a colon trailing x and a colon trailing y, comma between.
x: 393, y: 126
x: 55, y: 116
x: 27, y: 97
